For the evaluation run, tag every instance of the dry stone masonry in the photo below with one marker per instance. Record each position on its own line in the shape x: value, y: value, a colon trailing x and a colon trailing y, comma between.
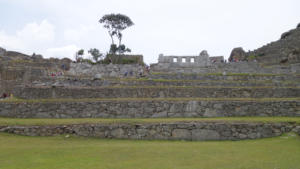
x: 149, y: 109
x: 260, y: 83
x: 190, y: 131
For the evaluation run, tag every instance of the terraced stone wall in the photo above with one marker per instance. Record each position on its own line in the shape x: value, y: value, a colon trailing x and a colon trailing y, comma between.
x: 149, y: 108
x: 155, y: 92
x: 192, y: 131
x: 191, y: 80
x: 230, y: 67
x: 220, y: 77
x: 110, y: 70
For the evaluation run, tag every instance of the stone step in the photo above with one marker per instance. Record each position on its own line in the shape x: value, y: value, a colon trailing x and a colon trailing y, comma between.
x: 150, y: 108
x: 190, y: 131
x: 155, y: 92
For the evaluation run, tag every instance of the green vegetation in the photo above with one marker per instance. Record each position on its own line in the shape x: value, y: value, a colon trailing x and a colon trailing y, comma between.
x: 16, y: 121
x: 50, y: 100
x: 115, y: 24
x: 20, y: 152
x: 252, y: 57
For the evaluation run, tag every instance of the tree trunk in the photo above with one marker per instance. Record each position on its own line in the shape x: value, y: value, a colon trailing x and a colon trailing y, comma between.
x: 112, y: 38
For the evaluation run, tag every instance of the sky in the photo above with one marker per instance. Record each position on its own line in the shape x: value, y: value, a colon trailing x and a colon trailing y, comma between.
x: 58, y: 28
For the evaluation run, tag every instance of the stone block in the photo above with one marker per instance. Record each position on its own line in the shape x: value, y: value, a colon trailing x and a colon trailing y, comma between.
x: 204, y: 134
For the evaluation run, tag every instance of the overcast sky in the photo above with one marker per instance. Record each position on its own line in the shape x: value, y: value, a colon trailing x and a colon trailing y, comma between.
x: 57, y: 28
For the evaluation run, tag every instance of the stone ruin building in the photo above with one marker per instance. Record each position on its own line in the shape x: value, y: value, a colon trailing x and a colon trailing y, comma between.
x: 176, y: 87
x: 203, y: 60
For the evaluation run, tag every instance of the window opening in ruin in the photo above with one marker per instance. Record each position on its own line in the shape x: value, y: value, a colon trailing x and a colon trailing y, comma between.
x: 175, y: 60
x: 192, y: 60
x: 183, y: 60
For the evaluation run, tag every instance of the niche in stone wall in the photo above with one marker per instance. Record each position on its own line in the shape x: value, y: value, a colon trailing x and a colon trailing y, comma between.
x: 175, y: 60
x: 192, y: 60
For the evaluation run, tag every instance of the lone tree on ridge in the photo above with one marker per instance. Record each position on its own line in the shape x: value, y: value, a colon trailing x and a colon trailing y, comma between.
x: 115, y: 24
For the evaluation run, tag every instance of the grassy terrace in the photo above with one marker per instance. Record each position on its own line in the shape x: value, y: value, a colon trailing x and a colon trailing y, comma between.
x: 178, y: 80
x: 16, y: 100
x: 16, y: 121
x: 175, y: 87
x: 237, y: 81
x: 221, y: 74
x: 21, y: 152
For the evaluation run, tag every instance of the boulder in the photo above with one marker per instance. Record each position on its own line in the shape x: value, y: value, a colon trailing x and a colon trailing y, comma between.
x: 37, y: 57
x: 204, y: 134
x: 285, y: 35
x: 204, y: 53
x: 237, y: 54
x: 98, y: 76
x: 181, y: 134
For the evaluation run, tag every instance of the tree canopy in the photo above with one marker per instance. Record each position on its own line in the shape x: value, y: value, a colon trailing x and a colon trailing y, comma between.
x: 115, y: 24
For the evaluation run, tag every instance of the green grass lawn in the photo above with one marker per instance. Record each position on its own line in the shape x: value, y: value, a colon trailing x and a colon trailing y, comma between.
x: 19, y: 121
x: 21, y: 152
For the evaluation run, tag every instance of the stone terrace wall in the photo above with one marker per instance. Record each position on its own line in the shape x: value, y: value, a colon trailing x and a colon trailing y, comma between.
x: 110, y: 70
x: 90, y: 82
x: 245, y: 77
x: 231, y: 67
x: 192, y: 131
x: 154, y: 92
x: 147, y: 109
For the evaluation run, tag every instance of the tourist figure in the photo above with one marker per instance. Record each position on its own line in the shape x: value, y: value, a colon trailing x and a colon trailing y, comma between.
x: 141, y: 72
x: 4, y: 95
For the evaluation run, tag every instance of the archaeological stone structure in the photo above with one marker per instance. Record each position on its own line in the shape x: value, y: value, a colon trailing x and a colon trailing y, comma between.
x: 260, y: 83
x: 203, y: 60
x: 192, y: 131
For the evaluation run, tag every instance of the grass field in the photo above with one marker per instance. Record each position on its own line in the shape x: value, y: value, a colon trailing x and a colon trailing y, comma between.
x: 21, y: 152
x: 18, y: 121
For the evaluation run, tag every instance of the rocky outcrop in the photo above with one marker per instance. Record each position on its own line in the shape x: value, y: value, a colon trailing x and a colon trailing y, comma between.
x: 237, y: 54
x: 191, y: 131
x: 204, y: 53
x: 284, y: 51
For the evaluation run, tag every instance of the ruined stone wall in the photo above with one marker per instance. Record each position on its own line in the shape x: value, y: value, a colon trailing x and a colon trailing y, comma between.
x: 129, y: 108
x: 191, y: 131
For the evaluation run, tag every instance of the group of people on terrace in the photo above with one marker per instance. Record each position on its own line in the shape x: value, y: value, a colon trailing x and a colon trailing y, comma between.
x: 6, y: 96
x: 141, y: 72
